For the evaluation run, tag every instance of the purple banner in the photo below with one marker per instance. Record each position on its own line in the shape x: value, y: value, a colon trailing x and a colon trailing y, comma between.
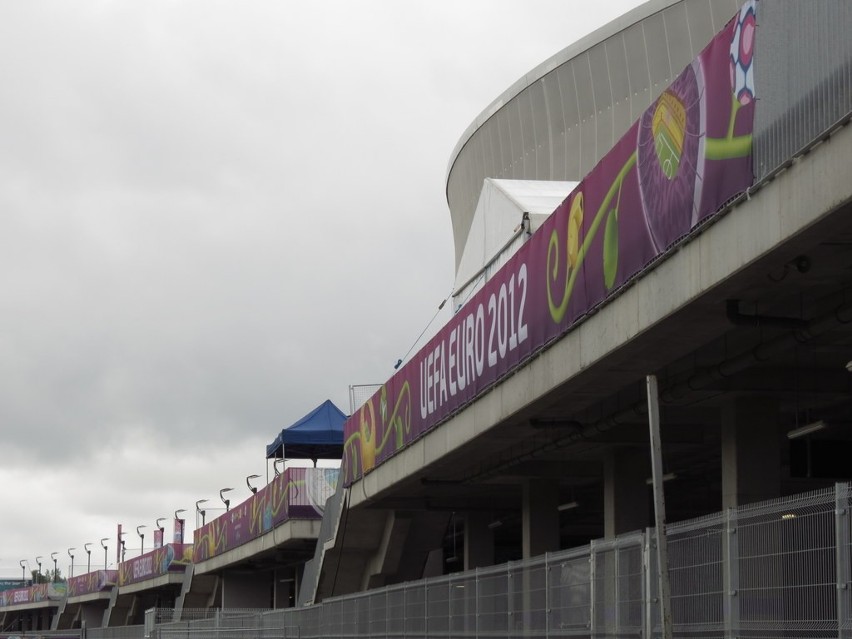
x: 687, y: 155
x: 158, y: 562
x: 179, y: 526
x: 92, y: 582
x: 297, y: 493
x: 33, y: 594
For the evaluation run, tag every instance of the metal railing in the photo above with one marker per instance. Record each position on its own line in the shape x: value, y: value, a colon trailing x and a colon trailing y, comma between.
x: 779, y: 568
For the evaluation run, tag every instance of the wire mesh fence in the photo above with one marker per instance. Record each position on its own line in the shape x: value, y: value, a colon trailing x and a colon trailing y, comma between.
x: 776, y: 569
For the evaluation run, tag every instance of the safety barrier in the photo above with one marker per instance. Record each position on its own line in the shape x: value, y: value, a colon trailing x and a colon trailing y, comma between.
x: 779, y: 568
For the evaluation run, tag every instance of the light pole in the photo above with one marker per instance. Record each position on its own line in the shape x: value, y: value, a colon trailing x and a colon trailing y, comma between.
x: 104, y: 546
x: 38, y: 562
x: 53, y: 556
x: 70, y: 554
x: 142, y: 537
x: 88, y: 556
x: 198, y: 510
x: 253, y: 489
x: 23, y: 573
x: 227, y: 502
x: 178, y: 526
x: 161, y: 530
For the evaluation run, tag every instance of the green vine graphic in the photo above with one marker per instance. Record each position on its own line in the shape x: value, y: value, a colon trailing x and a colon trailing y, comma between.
x: 397, y: 422
x: 558, y: 310
x: 669, y: 131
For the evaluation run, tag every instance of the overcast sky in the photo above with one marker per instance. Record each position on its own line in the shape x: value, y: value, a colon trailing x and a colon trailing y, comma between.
x: 213, y: 217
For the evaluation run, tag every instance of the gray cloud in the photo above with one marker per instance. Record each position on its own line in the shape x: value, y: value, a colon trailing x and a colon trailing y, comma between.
x: 214, y: 217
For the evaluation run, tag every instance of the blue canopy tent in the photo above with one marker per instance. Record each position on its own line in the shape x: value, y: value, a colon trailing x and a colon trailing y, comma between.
x: 318, y: 435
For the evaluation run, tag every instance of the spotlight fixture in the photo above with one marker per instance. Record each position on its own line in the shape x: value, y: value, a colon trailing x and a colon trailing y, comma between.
x: 142, y: 537
x: 227, y: 502
x: 807, y: 429
x: 253, y: 489
x: 199, y: 511
x: 666, y: 477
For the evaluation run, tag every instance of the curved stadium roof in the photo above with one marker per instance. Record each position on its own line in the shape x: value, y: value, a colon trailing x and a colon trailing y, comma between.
x: 558, y: 120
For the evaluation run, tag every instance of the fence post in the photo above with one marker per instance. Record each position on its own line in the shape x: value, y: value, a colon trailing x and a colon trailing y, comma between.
x: 547, y: 568
x: 659, y: 506
x: 150, y: 621
x: 593, y: 595
x: 647, y: 583
x: 476, y: 603
x: 510, y: 584
x: 426, y: 609
x: 732, y: 575
x: 616, y: 590
x: 841, y: 540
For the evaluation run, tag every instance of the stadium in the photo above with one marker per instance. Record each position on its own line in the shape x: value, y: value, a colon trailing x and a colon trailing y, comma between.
x: 636, y: 420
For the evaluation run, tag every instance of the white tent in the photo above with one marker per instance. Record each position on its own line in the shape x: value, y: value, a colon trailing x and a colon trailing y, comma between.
x: 507, y: 213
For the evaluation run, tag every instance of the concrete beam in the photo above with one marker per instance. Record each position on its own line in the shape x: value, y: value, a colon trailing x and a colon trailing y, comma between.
x: 806, y: 193
x: 292, y: 530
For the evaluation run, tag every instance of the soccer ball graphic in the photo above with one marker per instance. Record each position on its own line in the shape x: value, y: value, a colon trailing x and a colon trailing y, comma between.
x: 742, y: 54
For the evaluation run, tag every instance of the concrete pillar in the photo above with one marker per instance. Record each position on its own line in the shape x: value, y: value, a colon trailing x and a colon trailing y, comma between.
x: 626, y: 497
x: 540, y: 517
x: 478, y: 540
x: 434, y: 564
x: 91, y: 614
x: 751, y: 451
x: 247, y: 590
x: 285, y: 587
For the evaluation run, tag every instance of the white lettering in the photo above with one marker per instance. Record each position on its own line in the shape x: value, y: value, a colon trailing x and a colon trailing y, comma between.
x: 452, y: 364
x: 430, y: 400
x: 443, y: 375
x: 492, y: 315
x: 483, y: 337
x: 480, y: 341
x: 522, y: 283
x: 143, y: 567
x: 424, y: 408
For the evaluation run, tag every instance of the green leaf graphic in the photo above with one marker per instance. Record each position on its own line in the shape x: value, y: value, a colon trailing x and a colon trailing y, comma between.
x: 610, y: 248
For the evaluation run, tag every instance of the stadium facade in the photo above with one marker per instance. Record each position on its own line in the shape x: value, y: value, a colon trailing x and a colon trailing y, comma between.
x: 696, y: 157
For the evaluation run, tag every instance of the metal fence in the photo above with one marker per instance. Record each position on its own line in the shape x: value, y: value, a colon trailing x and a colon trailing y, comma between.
x: 775, y: 569
x: 803, y: 75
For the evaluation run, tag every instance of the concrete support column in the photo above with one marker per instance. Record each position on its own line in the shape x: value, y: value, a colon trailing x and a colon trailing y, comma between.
x: 751, y: 451
x: 91, y: 614
x: 247, y: 590
x: 540, y: 519
x: 285, y: 587
x: 626, y: 500
x: 478, y: 540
